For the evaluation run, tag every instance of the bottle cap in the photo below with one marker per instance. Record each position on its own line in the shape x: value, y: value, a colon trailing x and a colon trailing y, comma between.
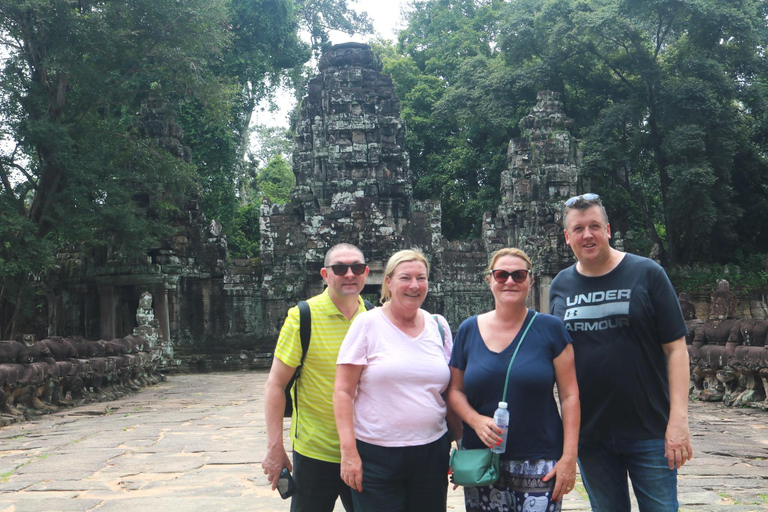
x: 502, y: 405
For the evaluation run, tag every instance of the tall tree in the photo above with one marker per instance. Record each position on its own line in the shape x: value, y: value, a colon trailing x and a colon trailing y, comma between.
x: 444, y: 66
x: 664, y: 94
x: 79, y: 170
x: 264, y: 53
x: 320, y: 17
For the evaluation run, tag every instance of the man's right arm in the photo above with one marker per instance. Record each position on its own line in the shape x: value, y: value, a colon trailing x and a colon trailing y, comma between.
x: 276, y: 457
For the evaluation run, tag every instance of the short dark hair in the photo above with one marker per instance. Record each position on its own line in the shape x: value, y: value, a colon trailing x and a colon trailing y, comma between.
x: 581, y: 203
x: 338, y: 247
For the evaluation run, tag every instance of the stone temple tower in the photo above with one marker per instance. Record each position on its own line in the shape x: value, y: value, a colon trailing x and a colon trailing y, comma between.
x: 542, y: 173
x: 353, y: 182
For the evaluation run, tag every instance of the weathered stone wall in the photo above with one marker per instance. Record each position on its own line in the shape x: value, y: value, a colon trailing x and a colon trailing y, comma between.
x: 542, y: 173
x: 464, y: 288
x: 353, y: 184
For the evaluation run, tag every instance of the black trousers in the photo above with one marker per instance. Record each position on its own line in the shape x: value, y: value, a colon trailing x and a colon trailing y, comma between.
x: 404, y: 479
x: 318, y: 484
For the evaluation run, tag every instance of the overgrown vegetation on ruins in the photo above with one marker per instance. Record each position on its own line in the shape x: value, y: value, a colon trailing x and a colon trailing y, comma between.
x: 77, y: 171
x: 668, y: 98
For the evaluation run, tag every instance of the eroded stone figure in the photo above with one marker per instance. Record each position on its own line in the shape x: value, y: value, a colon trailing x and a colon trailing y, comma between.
x: 148, y: 327
x: 728, y: 354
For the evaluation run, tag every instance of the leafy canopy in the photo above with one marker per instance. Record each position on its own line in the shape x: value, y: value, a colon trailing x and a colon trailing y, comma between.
x: 668, y: 99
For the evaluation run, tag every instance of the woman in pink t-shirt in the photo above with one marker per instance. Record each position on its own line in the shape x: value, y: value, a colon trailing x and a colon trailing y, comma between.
x: 390, y: 413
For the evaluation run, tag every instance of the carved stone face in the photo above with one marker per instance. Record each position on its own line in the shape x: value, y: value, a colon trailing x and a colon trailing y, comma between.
x: 146, y: 300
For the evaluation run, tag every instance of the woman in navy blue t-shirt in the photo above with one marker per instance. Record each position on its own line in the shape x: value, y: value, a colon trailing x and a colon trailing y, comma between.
x: 539, y: 464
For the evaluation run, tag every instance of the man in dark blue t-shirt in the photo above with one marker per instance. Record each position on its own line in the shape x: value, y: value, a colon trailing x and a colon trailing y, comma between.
x: 631, y: 363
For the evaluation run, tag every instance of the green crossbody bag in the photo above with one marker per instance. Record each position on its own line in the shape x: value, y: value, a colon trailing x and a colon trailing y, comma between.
x: 480, y: 467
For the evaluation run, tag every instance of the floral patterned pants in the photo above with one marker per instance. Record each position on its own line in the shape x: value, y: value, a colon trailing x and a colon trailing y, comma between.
x: 519, y: 489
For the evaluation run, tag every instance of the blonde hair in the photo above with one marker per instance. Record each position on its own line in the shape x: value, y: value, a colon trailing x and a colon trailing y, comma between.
x: 509, y: 251
x: 396, y: 259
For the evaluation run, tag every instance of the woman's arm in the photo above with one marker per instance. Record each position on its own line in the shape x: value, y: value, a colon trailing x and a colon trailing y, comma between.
x: 455, y: 426
x: 347, y: 377
x: 564, y: 471
x: 484, y: 427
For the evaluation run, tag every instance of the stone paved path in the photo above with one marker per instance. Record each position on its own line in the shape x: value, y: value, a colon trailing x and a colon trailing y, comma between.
x: 194, y: 443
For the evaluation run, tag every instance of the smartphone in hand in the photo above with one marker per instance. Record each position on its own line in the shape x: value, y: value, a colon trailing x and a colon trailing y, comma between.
x: 286, y: 486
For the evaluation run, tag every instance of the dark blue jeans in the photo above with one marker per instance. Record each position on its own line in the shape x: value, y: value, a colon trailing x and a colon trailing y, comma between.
x: 318, y: 484
x: 404, y: 479
x: 604, y: 467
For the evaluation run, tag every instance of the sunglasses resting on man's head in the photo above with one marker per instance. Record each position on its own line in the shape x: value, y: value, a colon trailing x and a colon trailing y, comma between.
x: 583, y: 197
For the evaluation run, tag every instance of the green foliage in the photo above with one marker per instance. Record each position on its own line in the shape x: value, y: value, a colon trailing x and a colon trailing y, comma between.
x: 668, y: 97
x: 319, y: 17
x: 460, y: 105
x: 22, y: 254
x: 750, y: 274
x: 83, y: 168
x: 272, y: 141
x: 276, y: 180
x: 243, y: 238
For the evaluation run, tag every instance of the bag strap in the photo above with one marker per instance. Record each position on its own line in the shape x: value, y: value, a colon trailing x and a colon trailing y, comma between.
x: 305, y: 334
x: 506, y: 381
x: 305, y: 330
x: 440, y: 328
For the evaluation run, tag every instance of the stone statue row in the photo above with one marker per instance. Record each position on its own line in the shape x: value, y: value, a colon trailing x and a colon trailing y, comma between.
x: 729, y: 357
x: 38, y: 377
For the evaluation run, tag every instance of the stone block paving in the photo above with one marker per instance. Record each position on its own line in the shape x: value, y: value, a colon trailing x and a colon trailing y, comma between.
x: 195, y: 442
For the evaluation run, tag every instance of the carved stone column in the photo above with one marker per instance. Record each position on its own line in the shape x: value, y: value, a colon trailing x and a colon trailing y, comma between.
x: 107, y: 316
x: 206, y: 292
x: 160, y: 294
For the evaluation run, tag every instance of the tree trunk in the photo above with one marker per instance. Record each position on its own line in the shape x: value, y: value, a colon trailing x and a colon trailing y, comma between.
x: 666, y: 255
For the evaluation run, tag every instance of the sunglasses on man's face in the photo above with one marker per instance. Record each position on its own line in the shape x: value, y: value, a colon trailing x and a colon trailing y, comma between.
x: 341, y: 270
x: 582, y: 197
x: 518, y: 276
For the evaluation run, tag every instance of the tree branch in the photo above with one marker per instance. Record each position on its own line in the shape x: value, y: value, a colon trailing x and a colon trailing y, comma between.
x: 661, y: 38
x: 22, y: 170
x: 591, y: 48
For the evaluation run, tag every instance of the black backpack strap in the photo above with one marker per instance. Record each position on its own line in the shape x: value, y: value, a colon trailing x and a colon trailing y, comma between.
x: 305, y: 330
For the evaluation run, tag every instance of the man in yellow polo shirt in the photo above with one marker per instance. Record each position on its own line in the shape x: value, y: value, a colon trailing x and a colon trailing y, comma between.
x: 316, y: 452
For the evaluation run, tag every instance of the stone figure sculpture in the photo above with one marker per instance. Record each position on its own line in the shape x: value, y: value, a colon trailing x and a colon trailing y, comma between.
x: 728, y: 355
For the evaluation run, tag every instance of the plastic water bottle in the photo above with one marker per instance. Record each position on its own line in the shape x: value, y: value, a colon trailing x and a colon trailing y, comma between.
x: 501, y: 419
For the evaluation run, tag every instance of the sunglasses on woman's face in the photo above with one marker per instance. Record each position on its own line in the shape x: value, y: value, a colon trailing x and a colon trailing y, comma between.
x: 518, y: 276
x: 341, y: 270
